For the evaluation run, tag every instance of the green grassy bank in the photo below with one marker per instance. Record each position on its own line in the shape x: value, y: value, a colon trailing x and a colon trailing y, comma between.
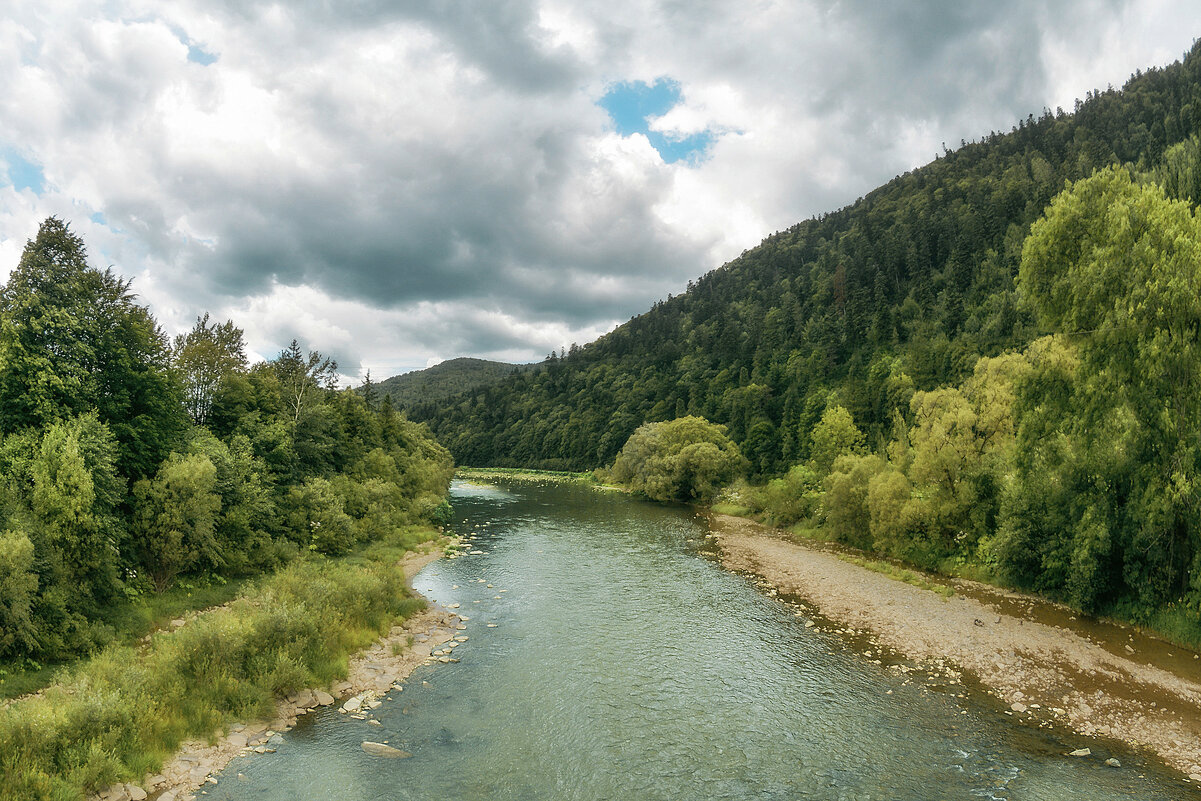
x: 521, y: 474
x: 120, y: 714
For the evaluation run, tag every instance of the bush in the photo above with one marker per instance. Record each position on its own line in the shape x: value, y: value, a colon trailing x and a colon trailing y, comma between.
x: 792, y: 498
x: 686, y: 459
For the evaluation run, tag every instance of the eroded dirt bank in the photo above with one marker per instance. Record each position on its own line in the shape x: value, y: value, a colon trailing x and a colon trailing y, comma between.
x: 1044, y: 672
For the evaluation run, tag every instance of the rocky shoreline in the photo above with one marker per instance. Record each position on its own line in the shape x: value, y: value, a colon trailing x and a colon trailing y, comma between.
x: 1043, y: 674
x: 422, y: 639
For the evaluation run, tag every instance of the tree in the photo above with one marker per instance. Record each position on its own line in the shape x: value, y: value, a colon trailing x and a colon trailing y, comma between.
x: 175, y: 517
x: 301, y: 377
x: 18, y: 583
x: 73, y: 502
x: 204, y: 357
x: 835, y: 435
x: 317, y: 518
x: 1116, y: 267
x: 73, y: 340
x: 845, y: 503
x: 687, y: 459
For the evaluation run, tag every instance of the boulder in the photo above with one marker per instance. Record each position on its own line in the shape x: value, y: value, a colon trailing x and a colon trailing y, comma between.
x: 1081, y: 752
x: 382, y: 750
x: 323, y: 698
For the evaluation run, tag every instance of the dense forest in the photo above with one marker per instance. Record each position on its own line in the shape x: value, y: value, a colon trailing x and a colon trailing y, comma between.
x: 446, y: 380
x: 955, y: 370
x: 130, y: 460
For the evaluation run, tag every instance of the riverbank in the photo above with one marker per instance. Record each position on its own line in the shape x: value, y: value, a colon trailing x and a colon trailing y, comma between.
x: 1045, y: 673
x: 370, y: 674
x: 124, y: 715
x: 521, y: 474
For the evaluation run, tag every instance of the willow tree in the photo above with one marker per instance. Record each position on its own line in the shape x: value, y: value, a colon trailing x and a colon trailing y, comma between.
x: 1105, y: 505
x: 686, y: 459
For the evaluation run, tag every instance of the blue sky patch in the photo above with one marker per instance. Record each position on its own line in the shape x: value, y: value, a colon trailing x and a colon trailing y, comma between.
x: 22, y: 174
x: 632, y: 104
x: 198, y: 55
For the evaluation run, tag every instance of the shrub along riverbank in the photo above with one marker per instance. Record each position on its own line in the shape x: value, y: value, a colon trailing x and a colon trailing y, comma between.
x: 119, y: 715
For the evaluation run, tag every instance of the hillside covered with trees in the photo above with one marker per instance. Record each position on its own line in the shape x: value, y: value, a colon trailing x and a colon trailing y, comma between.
x: 902, y: 291
x: 987, y: 366
x: 129, y: 460
x: 446, y: 380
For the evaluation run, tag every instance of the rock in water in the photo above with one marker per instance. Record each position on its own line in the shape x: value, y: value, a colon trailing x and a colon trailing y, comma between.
x: 382, y: 750
x: 1113, y: 763
x: 1081, y: 752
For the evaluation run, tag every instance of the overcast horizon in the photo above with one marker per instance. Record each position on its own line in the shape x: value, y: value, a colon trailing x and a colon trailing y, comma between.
x: 396, y: 185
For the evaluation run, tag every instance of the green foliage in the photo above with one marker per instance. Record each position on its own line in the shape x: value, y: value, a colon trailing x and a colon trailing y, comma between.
x: 687, y: 459
x: 175, y: 516
x: 120, y: 714
x: 73, y: 499
x: 793, y: 498
x: 18, y: 584
x: 445, y: 380
x: 204, y: 357
x: 72, y: 340
x: 317, y: 518
x: 106, y: 492
x: 1105, y: 503
x: 835, y: 435
x: 845, y: 505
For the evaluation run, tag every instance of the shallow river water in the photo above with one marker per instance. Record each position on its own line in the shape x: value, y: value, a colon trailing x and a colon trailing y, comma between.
x: 624, y: 663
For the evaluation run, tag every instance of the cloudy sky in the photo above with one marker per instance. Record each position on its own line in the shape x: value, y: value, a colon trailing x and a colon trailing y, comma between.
x: 396, y: 183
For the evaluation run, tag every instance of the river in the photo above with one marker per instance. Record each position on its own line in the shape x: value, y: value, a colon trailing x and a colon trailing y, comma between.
x: 611, y: 657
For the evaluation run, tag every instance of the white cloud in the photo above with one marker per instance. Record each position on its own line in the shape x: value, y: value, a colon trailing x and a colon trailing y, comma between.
x: 395, y: 184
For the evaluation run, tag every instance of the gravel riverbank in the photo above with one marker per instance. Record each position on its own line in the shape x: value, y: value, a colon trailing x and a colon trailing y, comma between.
x: 1044, y: 673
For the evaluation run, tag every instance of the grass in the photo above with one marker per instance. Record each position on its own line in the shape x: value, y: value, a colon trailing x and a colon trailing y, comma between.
x: 522, y: 474
x: 129, y: 622
x: 120, y: 714
x: 898, y: 573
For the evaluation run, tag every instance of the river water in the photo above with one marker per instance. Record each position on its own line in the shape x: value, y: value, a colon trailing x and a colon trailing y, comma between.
x: 624, y: 663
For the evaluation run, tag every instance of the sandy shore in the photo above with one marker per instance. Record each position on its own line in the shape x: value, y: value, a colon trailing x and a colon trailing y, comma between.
x: 1045, y: 673
x: 424, y: 638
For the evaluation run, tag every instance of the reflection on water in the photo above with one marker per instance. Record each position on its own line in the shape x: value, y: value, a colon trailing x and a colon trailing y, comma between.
x: 609, y: 659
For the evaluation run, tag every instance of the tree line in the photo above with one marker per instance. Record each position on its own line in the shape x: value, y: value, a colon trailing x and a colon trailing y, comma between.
x: 128, y: 459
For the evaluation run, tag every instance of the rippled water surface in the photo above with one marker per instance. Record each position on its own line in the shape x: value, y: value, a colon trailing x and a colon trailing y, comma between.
x: 625, y: 664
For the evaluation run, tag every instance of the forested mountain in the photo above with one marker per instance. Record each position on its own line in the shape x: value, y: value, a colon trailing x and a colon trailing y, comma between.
x: 901, y: 291
x: 445, y: 380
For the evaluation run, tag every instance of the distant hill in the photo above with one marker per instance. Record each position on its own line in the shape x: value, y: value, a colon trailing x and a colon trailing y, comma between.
x: 447, y: 379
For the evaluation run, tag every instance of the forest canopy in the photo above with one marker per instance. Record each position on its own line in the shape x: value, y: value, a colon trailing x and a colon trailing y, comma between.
x: 128, y: 460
